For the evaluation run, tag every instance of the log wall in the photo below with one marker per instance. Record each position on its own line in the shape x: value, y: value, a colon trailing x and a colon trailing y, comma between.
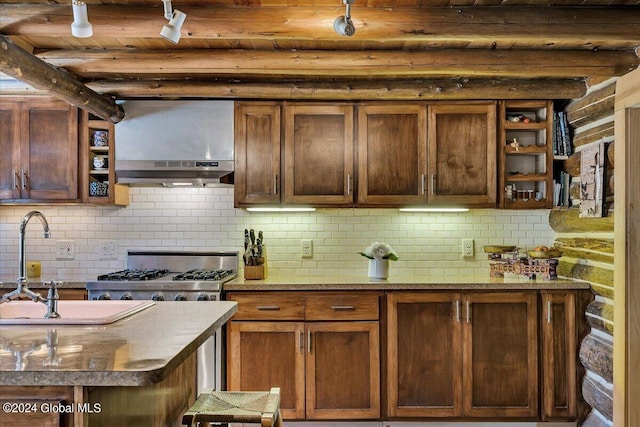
x: 588, y: 248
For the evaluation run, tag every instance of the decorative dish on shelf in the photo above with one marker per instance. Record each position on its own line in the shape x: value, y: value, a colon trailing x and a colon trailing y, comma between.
x: 545, y: 252
x: 497, y: 249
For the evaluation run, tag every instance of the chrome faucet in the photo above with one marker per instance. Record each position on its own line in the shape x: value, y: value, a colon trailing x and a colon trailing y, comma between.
x: 22, y: 288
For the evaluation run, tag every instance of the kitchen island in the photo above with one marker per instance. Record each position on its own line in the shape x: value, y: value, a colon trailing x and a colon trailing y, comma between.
x: 137, y: 371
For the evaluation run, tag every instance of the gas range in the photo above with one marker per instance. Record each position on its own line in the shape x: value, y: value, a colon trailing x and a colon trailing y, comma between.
x: 168, y: 276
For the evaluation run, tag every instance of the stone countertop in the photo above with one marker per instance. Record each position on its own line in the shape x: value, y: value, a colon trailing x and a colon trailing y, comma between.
x: 335, y: 283
x: 9, y: 283
x: 139, y: 350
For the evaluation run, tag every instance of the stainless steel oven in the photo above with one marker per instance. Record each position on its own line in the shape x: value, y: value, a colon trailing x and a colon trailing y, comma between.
x: 175, y: 276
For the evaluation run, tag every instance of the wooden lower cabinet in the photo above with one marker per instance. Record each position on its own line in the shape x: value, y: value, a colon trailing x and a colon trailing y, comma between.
x: 322, y: 350
x: 559, y: 332
x: 343, y: 370
x: 320, y: 367
x: 261, y: 355
x: 462, y: 355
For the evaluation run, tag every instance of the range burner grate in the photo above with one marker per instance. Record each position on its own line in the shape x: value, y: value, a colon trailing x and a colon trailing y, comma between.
x: 202, y: 274
x: 134, y: 275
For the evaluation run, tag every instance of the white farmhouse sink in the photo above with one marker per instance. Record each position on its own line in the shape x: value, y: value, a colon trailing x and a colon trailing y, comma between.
x: 71, y: 312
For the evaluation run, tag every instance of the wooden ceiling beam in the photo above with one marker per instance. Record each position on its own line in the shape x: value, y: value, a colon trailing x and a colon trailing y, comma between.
x: 189, y: 63
x: 584, y: 26
x: 432, y: 89
x: 20, y: 64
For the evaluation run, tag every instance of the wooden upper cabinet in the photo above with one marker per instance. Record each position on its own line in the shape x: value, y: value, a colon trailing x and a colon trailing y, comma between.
x: 257, y: 153
x: 318, y: 156
x: 10, y: 145
x: 500, y: 357
x: 42, y: 139
x: 462, y: 154
x: 392, y: 154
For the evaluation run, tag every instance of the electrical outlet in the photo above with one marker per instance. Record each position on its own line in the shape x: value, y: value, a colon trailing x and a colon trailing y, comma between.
x: 306, y: 248
x: 65, y: 249
x: 467, y: 248
x: 107, y: 249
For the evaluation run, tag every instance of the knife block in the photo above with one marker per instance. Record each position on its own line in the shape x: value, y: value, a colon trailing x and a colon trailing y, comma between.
x: 257, y: 272
x: 254, y: 272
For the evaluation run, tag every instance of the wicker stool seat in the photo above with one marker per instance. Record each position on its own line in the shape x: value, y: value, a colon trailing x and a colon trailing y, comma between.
x: 261, y: 407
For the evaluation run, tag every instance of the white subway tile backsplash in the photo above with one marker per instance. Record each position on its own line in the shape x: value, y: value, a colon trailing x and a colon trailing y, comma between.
x: 204, y: 219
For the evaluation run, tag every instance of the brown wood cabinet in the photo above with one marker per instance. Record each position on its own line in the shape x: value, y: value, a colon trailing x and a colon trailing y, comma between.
x: 98, y: 184
x: 462, y: 355
x: 559, y: 350
x: 392, y: 154
x: 526, y: 154
x: 257, y: 178
x: 318, y: 156
x: 322, y: 351
x: 462, y: 154
x: 39, y: 142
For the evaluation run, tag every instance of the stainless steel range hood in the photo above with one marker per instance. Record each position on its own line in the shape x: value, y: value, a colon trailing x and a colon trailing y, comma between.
x: 172, y: 143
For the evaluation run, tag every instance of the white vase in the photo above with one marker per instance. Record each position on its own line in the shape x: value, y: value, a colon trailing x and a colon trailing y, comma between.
x: 378, y: 268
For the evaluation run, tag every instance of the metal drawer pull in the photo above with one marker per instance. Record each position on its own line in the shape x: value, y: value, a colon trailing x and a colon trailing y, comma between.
x: 275, y: 184
x: 342, y: 308
x: 468, y: 312
x: 433, y: 183
x: 301, y: 342
x: 458, y: 310
x: 348, y: 183
x: 308, y: 341
x: 548, y: 311
x: 268, y: 307
x: 15, y: 179
x: 424, y: 180
x: 24, y: 179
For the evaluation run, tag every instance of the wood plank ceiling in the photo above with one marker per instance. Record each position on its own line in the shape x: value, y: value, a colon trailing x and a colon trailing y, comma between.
x: 287, y: 49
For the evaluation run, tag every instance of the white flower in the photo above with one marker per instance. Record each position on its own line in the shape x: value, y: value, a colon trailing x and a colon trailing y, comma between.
x: 380, y: 251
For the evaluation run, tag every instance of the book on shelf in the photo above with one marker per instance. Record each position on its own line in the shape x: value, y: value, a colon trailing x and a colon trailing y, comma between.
x: 561, y: 190
x: 561, y: 135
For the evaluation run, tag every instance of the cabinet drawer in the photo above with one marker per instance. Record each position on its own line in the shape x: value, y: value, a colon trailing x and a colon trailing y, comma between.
x: 341, y: 307
x: 268, y: 306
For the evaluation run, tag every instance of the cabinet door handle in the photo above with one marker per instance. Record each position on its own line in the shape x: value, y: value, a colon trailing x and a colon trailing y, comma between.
x: 301, y: 342
x: 458, y: 310
x: 16, y: 178
x: 468, y: 312
x: 275, y: 183
x: 342, y: 308
x: 548, y: 311
x: 308, y: 341
x: 424, y: 180
x: 24, y: 179
x: 268, y: 308
x: 433, y: 184
x: 348, y: 183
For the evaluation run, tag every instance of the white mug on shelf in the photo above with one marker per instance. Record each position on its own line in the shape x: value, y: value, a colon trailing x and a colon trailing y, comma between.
x: 99, y: 162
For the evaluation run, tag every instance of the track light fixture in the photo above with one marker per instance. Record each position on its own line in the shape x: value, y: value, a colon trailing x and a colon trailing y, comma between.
x: 171, y: 31
x: 80, y: 26
x: 343, y: 24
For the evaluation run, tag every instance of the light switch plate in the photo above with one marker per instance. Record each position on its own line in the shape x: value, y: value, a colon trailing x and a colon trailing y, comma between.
x: 65, y: 249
